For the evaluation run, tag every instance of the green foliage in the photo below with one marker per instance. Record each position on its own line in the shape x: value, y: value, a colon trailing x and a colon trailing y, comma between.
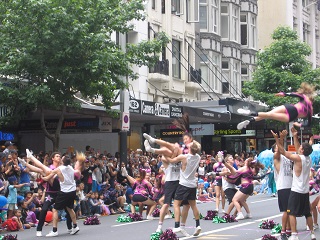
x: 282, y: 67
x: 57, y: 48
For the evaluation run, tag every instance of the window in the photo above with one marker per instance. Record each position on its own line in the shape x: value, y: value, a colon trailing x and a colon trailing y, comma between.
x: 176, y: 58
x: 215, y: 16
x: 153, y: 4
x: 305, y: 33
x: 253, y: 32
x: 235, y: 24
x: 236, y: 78
x: 225, y: 87
x: 244, y: 70
x: 163, y: 6
x: 224, y: 22
x: 244, y: 29
x: 192, y: 11
x: 175, y: 7
x: 203, y: 12
x: 225, y: 64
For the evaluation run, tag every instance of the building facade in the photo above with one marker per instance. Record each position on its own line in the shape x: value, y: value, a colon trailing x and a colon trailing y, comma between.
x: 301, y: 15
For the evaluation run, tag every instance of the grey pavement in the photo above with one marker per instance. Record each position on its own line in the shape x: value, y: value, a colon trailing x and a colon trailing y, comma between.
x: 262, y: 207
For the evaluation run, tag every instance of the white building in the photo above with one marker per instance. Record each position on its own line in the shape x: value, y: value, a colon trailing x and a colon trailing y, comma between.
x: 300, y: 15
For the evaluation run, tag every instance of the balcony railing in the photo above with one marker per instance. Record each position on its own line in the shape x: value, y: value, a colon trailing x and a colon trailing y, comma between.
x: 161, y: 67
x: 195, y: 75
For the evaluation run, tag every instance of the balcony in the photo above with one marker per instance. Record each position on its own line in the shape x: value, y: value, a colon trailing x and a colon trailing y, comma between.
x: 194, y: 79
x: 195, y: 75
x: 160, y: 72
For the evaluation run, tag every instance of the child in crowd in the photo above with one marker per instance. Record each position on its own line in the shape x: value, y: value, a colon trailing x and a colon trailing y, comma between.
x: 105, y: 211
x: 31, y: 216
x: 14, y: 223
x: 211, y: 194
x: 94, y: 204
x: 12, y: 196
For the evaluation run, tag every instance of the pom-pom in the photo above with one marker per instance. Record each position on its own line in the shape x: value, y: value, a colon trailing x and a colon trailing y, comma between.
x: 156, y: 212
x: 276, y: 229
x: 155, y: 236
x: 267, y: 224
x: 268, y: 237
x: 123, y: 218
x: 9, y: 237
x: 135, y: 217
x: 210, y: 215
x: 218, y: 219
x: 220, y: 154
x: 168, y: 235
x: 229, y: 218
x: 94, y: 220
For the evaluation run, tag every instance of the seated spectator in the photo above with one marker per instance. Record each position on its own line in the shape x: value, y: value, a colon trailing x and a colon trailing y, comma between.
x: 94, y: 204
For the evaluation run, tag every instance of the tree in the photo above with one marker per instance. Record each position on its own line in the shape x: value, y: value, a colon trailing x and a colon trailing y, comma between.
x: 282, y: 67
x: 53, y: 49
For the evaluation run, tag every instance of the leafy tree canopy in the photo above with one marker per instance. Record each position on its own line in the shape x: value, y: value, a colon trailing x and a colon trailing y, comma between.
x: 52, y: 49
x: 282, y: 67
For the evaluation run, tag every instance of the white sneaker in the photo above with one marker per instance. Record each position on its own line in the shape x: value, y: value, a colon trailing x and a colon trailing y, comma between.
x: 181, y: 230
x: 22, y: 162
x: 97, y: 214
x: 243, y: 124
x: 39, y: 234
x: 159, y: 229
x: 313, y: 236
x: 52, y: 234
x: 243, y: 111
x: 217, y: 210
x: 240, y: 216
x: 223, y: 211
x: 248, y: 215
x: 75, y: 230
x: 149, y: 138
x: 184, y: 232
x: 167, y: 216
x: 197, y: 231
x: 149, y: 217
x: 28, y: 152
x: 69, y: 230
x: 124, y: 172
x: 293, y: 237
x: 315, y: 226
x: 148, y: 147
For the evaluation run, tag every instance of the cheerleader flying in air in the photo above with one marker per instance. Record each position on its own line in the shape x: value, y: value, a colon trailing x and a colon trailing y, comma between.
x: 287, y: 112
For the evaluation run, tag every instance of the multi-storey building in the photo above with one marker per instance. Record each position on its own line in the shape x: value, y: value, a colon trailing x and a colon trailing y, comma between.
x: 300, y: 15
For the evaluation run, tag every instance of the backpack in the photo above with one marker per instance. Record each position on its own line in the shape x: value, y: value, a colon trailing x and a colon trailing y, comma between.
x: 10, y: 225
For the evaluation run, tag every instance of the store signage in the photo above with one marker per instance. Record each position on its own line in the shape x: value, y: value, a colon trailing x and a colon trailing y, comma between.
x: 202, y: 129
x: 6, y: 136
x: 175, y: 111
x: 84, y: 123
x: 125, y: 126
x: 250, y: 132
x: 147, y: 108
x: 227, y: 132
x: 166, y: 133
x: 134, y: 105
x: 162, y: 110
x: 105, y: 124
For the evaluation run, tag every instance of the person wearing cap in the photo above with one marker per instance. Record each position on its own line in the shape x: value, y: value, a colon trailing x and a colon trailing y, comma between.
x: 9, y: 147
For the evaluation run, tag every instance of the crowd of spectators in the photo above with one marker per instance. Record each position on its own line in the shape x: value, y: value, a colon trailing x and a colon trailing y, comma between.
x: 102, y: 188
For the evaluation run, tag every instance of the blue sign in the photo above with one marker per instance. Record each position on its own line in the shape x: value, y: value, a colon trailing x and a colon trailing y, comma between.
x: 5, y: 136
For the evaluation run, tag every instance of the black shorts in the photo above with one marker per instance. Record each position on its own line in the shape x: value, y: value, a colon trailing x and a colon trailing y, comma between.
x: 292, y: 112
x: 247, y: 189
x: 64, y: 200
x: 139, y: 198
x: 185, y: 193
x: 170, y: 188
x: 283, y: 198
x: 218, y: 182
x: 299, y: 204
x: 230, y: 192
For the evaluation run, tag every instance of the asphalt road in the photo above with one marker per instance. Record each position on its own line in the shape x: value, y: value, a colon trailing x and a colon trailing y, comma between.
x: 262, y: 207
